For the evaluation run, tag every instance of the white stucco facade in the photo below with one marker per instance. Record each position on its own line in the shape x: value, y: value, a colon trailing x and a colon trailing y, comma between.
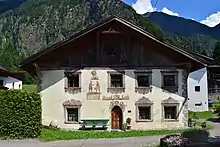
x: 11, y: 82
x: 54, y: 95
x: 198, y: 90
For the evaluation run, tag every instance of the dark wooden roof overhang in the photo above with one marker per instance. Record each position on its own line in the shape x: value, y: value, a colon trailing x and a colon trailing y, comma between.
x: 16, y: 75
x: 29, y: 64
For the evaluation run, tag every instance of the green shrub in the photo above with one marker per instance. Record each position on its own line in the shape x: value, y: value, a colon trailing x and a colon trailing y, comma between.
x: 20, y: 114
x: 203, y: 124
x: 216, y: 108
x: 196, y: 133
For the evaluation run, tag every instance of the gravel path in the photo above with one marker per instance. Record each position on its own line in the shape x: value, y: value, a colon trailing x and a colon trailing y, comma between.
x: 122, y: 142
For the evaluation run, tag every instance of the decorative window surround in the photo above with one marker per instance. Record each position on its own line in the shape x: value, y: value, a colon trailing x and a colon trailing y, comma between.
x: 144, y: 102
x: 172, y: 103
x: 71, y: 104
x: 72, y: 89
x: 174, y: 73
x: 116, y: 89
x: 143, y: 90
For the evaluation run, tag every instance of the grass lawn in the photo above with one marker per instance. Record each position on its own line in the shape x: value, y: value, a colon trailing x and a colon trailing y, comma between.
x: 30, y: 88
x: 56, y: 134
x: 201, y: 115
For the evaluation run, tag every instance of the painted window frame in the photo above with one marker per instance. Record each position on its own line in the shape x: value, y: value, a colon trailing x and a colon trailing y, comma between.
x: 174, y: 73
x: 170, y: 102
x: 66, y: 84
x: 143, y: 73
x: 121, y: 72
x: 72, y: 104
x: 144, y: 102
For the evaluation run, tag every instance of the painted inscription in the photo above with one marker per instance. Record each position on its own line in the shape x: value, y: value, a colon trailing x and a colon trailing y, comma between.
x: 116, y: 97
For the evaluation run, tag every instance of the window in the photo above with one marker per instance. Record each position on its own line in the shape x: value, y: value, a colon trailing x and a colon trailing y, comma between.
x: 144, y: 110
x: 116, y: 80
x: 143, y: 81
x: 197, y: 88
x: 169, y: 80
x: 170, y: 112
x: 73, y: 80
x: 1, y: 83
x: 72, y: 114
x: 72, y: 111
x: 144, y: 113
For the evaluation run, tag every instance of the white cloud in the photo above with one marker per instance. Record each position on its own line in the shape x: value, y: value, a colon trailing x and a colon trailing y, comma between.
x: 169, y: 12
x: 143, y: 6
x: 212, y: 20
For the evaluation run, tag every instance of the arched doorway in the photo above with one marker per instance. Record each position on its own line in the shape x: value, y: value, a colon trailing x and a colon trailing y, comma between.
x: 116, y: 116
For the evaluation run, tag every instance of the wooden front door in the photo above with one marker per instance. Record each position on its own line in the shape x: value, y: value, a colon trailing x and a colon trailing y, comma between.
x: 116, y: 115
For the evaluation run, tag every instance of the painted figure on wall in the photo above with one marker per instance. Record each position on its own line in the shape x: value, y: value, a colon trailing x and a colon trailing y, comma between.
x: 90, y: 86
x: 94, y: 75
x: 97, y: 88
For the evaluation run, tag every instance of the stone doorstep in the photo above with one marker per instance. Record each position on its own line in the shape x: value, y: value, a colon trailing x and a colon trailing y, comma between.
x: 116, y: 130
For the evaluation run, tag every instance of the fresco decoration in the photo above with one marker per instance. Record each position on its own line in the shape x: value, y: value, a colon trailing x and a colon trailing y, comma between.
x: 94, y: 87
x: 116, y: 97
x: 122, y: 105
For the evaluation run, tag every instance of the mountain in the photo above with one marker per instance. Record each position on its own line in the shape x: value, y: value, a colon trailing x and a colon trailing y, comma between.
x: 181, y: 26
x: 186, y: 33
x: 9, y: 4
x: 217, y: 26
x: 38, y: 23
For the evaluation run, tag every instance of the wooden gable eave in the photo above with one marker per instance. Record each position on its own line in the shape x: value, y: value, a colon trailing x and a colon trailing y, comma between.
x: 30, y: 60
x: 166, y: 44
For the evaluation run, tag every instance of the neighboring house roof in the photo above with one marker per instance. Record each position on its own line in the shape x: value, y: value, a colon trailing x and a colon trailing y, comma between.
x: 15, y: 74
x: 101, y: 23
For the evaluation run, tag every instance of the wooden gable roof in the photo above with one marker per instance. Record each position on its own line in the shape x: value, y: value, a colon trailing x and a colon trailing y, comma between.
x: 30, y: 61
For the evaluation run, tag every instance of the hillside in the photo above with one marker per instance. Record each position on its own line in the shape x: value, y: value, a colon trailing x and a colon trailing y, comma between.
x: 35, y: 24
x: 38, y: 23
x: 217, y: 26
x: 186, y: 33
x: 181, y: 26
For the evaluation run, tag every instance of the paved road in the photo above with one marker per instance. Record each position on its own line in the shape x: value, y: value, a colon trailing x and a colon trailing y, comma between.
x: 122, y: 142
x: 216, y: 128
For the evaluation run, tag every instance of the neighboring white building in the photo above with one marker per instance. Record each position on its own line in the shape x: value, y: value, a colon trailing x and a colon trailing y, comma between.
x: 198, y: 91
x: 10, y: 80
x: 110, y: 72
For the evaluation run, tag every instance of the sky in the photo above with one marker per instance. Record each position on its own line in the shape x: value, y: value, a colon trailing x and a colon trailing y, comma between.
x: 203, y: 11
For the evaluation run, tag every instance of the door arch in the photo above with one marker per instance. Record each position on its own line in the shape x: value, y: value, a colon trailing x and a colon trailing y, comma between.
x: 116, y: 118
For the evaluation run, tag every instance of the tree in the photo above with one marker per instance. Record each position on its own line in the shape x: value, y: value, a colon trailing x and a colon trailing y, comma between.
x: 216, y: 53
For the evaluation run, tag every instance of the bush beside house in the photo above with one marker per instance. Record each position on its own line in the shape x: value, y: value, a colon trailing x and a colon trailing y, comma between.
x: 20, y: 114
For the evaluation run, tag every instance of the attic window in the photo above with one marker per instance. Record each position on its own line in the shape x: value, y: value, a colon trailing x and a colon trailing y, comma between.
x: 197, y: 88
